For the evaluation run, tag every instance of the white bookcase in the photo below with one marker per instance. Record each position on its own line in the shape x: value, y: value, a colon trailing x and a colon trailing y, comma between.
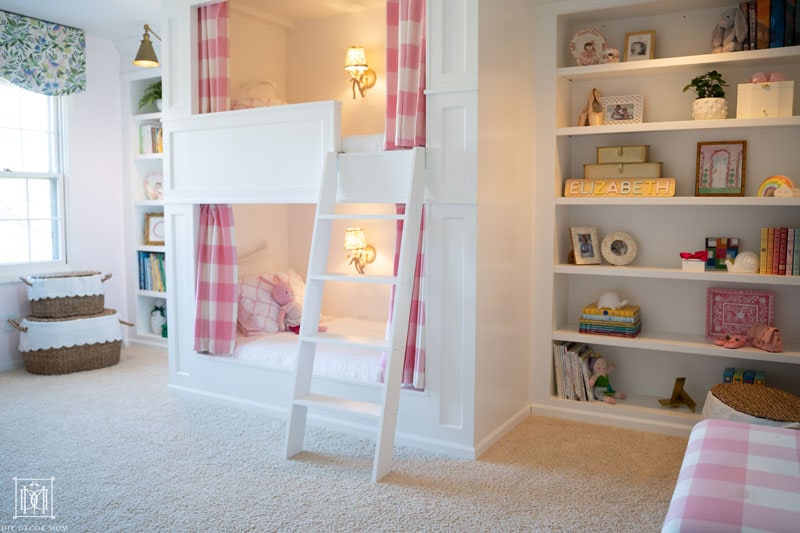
x: 140, y: 166
x: 673, y: 303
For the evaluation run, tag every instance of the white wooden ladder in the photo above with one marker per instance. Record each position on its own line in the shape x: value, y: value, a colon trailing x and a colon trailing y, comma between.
x: 389, y: 177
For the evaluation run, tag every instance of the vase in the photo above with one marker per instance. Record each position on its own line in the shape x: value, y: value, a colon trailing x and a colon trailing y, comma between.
x: 709, y: 109
x: 158, y: 104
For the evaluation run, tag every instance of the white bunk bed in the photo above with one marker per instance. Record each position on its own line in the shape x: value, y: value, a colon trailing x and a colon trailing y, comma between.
x: 258, y: 156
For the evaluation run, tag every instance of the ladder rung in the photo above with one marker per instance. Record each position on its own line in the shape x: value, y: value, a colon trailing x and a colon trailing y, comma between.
x: 357, y: 216
x: 370, y: 343
x: 333, y: 403
x: 354, y: 278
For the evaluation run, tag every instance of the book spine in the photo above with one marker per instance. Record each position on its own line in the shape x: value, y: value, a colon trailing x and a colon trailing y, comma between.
x: 782, y: 244
x: 777, y: 23
x: 789, y: 38
x: 796, y: 260
x: 770, y: 249
x: 628, y: 310
x: 762, y: 256
x: 789, y: 252
x: 762, y: 24
x: 752, y: 23
x: 744, y: 7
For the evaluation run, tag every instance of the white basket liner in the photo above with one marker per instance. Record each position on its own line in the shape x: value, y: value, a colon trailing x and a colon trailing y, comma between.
x: 68, y: 333
x: 63, y: 287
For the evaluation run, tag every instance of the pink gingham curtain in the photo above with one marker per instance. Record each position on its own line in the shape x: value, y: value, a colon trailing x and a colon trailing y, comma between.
x: 217, y: 281
x: 414, y: 360
x: 405, y: 73
x: 217, y: 271
x: 213, y: 54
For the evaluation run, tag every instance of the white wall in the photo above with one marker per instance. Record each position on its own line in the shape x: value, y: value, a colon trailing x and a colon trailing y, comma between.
x: 258, y: 53
x: 94, y: 181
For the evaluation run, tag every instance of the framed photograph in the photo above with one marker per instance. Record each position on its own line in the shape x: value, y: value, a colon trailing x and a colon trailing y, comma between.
x: 721, y: 168
x: 585, y: 246
x: 622, y: 109
x: 639, y: 45
x: 618, y: 248
x: 154, y: 230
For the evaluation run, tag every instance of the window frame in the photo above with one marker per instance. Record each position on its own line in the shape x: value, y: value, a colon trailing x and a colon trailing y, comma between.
x: 11, y: 272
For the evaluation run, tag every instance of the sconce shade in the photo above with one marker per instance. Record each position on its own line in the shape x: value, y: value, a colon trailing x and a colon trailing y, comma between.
x: 355, y: 60
x: 354, y: 239
x: 146, y: 56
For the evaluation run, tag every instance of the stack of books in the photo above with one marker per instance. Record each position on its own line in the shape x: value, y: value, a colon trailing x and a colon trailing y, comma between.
x: 571, y: 363
x: 778, y: 255
x: 622, y: 322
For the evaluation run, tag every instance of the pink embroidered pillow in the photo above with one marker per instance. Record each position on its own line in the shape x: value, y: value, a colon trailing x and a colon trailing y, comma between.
x: 258, y: 312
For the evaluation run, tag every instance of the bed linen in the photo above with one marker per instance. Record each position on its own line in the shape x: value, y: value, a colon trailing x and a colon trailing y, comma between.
x: 279, y: 350
x: 737, y: 476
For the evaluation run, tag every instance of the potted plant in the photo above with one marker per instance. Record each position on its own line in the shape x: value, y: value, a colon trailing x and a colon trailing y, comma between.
x: 710, y: 91
x: 151, y: 95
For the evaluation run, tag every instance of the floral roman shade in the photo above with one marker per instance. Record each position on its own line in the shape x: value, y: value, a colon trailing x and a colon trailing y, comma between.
x: 41, y: 56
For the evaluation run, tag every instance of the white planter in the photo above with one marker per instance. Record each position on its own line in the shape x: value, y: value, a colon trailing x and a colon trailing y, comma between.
x: 158, y: 104
x: 709, y: 109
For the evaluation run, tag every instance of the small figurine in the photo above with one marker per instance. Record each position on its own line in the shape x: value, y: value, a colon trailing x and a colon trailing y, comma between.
x: 610, y: 300
x: 745, y: 262
x: 599, y: 382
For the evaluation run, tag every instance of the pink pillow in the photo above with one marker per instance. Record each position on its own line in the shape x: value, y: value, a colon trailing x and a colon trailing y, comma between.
x: 258, y: 312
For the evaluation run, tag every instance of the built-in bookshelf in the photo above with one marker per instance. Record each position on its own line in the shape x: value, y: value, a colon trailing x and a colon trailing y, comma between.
x: 672, y: 342
x: 146, y: 253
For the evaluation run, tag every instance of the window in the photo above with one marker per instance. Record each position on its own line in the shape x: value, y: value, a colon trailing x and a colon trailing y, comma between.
x: 31, y: 182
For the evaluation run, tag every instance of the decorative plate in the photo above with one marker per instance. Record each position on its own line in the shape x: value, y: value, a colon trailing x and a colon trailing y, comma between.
x: 769, y: 185
x: 733, y: 311
x: 154, y: 186
x: 587, y: 47
x: 618, y: 248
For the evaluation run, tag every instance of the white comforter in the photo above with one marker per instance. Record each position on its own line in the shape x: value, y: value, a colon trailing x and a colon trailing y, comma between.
x: 278, y: 350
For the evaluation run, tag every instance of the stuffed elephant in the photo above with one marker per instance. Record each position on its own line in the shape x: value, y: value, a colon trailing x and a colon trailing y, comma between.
x: 730, y: 32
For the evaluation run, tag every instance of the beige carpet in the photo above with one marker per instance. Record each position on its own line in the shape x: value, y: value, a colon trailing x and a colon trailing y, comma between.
x: 129, y: 455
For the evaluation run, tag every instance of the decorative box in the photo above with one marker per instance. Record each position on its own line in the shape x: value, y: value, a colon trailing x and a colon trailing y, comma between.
x: 623, y: 154
x: 693, y: 265
x: 770, y: 99
x: 622, y: 170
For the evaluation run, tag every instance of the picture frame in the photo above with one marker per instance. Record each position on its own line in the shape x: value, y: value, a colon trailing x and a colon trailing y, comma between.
x: 585, y: 245
x: 154, y: 230
x: 721, y: 167
x: 618, y: 248
x: 639, y: 45
x: 732, y: 311
x: 622, y: 109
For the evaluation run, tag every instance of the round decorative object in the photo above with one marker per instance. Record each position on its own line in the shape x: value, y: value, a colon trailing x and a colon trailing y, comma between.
x: 745, y: 262
x: 154, y: 186
x: 589, y: 47
x: 618, y: 248
x: 769, y: 185
x: 709, y: 109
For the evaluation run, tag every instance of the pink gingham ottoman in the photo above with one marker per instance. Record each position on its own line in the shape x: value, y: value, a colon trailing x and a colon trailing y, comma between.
x: 737, y: 476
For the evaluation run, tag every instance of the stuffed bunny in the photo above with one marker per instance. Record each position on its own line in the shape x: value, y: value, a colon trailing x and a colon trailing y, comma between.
x: 291, y: 311
x: 730, y: 32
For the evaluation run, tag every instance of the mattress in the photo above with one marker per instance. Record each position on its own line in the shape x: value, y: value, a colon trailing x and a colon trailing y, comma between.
x: 737, y: 477
x: 279, y: 350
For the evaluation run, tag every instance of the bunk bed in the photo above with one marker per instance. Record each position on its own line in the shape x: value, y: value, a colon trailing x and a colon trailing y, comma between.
x: 270, y: 155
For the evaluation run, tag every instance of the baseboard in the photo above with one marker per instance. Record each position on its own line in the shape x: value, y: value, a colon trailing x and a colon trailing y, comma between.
x: 625, y: 421
x: 502, y: 430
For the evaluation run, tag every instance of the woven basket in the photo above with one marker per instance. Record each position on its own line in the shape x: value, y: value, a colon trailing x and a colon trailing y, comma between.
x: 66, y: 306
x: 67, y: 359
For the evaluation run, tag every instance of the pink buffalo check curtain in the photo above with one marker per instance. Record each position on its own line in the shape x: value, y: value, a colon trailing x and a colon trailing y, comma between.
x: 212, y: 55
x: 405, y: 73
x: 217, y: 281
x: 217, y: 271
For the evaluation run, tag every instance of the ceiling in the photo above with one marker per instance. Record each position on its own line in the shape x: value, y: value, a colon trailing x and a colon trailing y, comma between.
x: 124, y: 19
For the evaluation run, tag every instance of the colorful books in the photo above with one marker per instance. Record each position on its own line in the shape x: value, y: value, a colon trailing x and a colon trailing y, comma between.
x: 623, y: 322
x: 571, y: 365
x: 779, y: 255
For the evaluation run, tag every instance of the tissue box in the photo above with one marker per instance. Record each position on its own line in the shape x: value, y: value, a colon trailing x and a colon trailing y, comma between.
x: 623, y: 154
x: 693, y: 265
x: 622, y: 170
x: 769, y: 99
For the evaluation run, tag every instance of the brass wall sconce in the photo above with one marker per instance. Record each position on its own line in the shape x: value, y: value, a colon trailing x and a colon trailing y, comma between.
x: 146, y: 56
x: 359, y: 253
x: 361, y: 76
